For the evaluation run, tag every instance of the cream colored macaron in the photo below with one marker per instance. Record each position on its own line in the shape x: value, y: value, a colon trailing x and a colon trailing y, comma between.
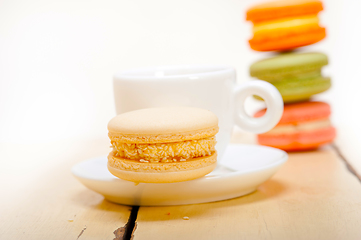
x: 163, y: 145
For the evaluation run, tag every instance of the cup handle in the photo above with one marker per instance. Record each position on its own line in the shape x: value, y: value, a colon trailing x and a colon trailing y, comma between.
x: 274, y: 104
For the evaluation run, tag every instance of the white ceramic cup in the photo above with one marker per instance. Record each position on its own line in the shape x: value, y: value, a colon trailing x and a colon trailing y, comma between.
x: 211, y: 87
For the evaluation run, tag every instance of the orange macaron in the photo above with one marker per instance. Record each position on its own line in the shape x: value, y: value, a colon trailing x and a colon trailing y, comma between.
x: 303, y: 126
x: 163, y: 145
x: 286, y: 24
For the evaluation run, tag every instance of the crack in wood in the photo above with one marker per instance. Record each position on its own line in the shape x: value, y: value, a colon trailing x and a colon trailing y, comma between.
x: 82, y: 231
x: 348, y: 165
x: 127, y: 232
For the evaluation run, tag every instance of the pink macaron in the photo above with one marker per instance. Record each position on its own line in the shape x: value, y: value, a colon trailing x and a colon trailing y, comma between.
x: 303, y: 126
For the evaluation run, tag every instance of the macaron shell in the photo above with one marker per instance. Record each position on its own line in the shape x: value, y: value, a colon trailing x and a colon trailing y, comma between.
x: 135, y: 171
x: 281, y: 9
x: 162, y: 125
x: 163, y: 138
x: 283, y: 43
x: 163, y: 121
x: 138, y: 177
x: 299, y: 141
x: 301, y: 90
x: 288, y: 64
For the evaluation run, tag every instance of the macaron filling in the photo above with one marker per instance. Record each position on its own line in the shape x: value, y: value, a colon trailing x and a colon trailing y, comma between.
x: 299, y: 127
x: 286, y: 75
x: 308, y: 22
x: 165, y: 152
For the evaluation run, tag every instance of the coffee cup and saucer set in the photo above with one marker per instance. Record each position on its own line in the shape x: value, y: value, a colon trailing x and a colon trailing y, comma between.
x: 241, y: 168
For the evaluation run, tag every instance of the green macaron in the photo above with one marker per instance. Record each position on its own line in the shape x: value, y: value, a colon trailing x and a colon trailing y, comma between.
x: 296, y: 75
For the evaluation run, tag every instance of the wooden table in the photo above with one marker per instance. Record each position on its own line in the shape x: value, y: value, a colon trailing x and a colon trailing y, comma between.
x: 315, y: 195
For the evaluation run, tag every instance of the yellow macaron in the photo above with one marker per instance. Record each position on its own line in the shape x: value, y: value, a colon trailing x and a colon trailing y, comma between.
x: 163, y: 145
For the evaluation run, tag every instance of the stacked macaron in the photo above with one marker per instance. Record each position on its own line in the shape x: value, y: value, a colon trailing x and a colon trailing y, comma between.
x: 284, y: 26
x: 297, y: 76
x: 303, y: 126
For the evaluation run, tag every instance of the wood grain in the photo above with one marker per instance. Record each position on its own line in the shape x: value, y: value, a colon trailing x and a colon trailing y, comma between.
x: 347, y: 143
x: 313, y: 196
x: 42, y: 200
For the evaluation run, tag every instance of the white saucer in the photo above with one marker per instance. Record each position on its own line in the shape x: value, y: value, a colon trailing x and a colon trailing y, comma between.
x: 242, y: 170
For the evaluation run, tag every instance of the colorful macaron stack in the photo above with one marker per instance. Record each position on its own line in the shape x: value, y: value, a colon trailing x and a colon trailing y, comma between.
x: 284, y: 26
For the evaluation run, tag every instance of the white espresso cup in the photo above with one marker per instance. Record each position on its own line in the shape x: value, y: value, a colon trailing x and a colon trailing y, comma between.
x: 211, y: 87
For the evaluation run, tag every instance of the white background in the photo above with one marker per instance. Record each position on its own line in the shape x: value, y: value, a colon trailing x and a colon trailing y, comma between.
x: 57, y: 58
